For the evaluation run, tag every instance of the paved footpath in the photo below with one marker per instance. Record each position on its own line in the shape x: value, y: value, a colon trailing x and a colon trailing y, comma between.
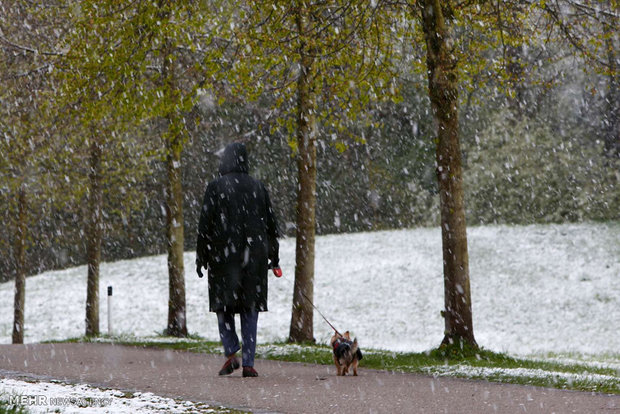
x: 284, y: 387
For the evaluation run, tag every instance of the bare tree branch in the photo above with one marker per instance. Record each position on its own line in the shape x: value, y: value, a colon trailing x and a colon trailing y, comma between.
x: 29, y: 49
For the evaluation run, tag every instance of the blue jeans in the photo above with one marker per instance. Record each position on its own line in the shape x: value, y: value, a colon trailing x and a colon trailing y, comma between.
x: 230, y: 340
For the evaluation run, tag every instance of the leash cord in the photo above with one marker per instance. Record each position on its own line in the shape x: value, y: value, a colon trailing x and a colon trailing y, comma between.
x: 322, y: 316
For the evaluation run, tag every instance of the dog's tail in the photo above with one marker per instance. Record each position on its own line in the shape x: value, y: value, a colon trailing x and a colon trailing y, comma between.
x: 354, y: 346
x: 355, y: 350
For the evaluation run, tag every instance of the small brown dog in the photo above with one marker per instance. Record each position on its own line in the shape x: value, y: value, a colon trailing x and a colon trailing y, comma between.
x: 346, y: 353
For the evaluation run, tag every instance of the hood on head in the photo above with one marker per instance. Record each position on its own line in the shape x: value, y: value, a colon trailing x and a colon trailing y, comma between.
x: 234, y: 159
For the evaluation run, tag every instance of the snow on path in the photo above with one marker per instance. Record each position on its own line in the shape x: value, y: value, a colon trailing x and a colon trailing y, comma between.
x: 52, y: 397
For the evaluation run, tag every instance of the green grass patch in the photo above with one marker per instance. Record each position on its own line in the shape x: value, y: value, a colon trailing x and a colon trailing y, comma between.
x: 453, y: 360
x: 7, y: 408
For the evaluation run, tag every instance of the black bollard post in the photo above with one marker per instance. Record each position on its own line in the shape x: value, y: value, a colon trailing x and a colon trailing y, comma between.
x: 109, y: 310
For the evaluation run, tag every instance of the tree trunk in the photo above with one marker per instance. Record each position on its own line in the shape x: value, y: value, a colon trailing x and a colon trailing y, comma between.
x: 20, y: 267
x: 612, y: 121
x: 442, y: 81
x: 513, y: 59
x: 94, y: 235
x: 302, y: 317
x: 177, y: 324
x: 174, y: 231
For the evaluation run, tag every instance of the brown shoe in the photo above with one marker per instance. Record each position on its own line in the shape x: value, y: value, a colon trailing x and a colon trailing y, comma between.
x: 231, y: 364
x: 249, y: 372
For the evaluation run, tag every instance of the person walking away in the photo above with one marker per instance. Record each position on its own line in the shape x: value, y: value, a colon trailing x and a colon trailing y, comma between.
x: 237, y: 243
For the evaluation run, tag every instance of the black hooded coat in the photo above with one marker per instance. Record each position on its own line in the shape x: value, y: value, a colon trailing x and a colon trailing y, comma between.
x: 237, y: 235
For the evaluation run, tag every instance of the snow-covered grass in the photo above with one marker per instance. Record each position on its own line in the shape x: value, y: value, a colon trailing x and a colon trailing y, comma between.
x: 540, y: 290
x: 559, y: 379
x: 51, y: 397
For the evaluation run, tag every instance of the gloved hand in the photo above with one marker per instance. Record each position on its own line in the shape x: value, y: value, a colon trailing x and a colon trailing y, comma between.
x: 275, y: 267
x: 198, y: 266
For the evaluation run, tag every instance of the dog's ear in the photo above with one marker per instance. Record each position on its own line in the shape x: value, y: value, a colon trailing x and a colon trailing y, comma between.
x: 347, y: 335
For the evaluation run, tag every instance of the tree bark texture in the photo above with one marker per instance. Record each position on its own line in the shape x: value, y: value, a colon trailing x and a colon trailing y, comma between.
x: 513, y: 57
x: 612, y: 127
x: 20, y: 267
x: 442, y: 81
x: 94, y: 236
x: 302, y: 316
x: 177, y: 325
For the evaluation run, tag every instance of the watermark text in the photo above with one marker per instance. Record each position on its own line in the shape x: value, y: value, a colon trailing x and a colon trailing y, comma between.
x: 44, y: 400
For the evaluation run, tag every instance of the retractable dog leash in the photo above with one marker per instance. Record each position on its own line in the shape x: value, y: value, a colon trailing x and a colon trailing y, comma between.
x: 322, y: 316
